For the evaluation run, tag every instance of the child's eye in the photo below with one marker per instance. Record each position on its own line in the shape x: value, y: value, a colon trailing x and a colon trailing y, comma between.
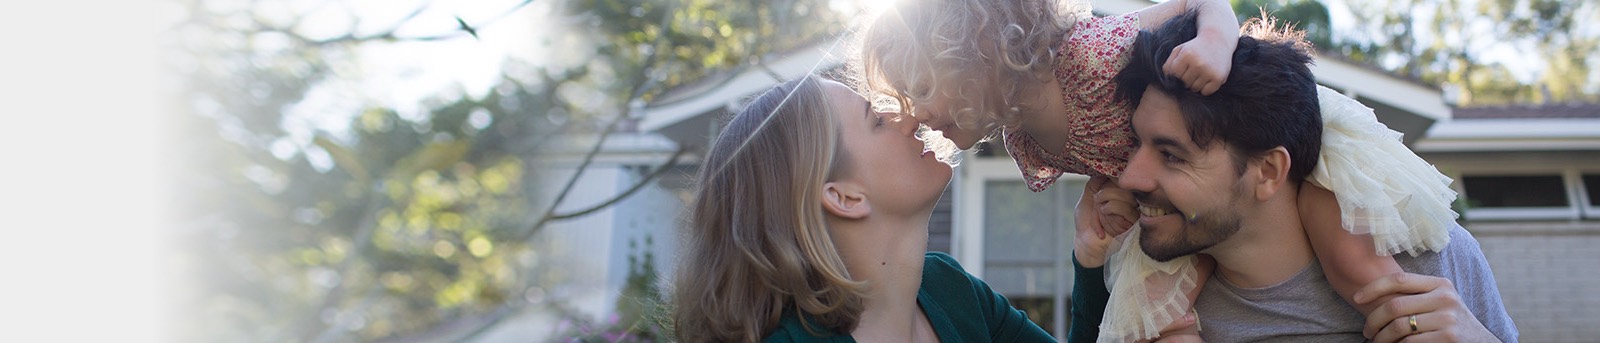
x: 879, y: 121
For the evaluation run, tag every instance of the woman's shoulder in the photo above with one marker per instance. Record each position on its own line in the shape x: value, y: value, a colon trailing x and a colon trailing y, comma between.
x: 943, y: 270
x: 790, y: 329
x: 934, y: 262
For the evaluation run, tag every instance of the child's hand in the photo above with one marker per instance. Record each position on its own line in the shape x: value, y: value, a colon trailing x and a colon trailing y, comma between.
x: 1115, y: 205
x: 1202, y: 63
x: 1092, y: 242
x: 1185, y: 329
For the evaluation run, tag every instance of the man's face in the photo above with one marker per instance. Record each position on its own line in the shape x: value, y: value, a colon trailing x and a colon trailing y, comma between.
x: 1190, y: 197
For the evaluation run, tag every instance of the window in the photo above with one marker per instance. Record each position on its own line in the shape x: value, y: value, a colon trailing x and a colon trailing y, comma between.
x: 1023, y: 233
x: 1018, y: 241
x: 1516, y: 197
x: 1515, y: 191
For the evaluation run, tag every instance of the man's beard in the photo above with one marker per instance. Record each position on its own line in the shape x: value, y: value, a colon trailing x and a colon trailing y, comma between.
x: 1200, y: 231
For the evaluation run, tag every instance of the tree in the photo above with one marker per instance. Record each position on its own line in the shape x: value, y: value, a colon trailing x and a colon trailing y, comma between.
x: 1475, y: 48
x: 409, y: 224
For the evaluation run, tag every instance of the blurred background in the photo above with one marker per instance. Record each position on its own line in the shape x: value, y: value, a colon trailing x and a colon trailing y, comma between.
x: 514, y: 170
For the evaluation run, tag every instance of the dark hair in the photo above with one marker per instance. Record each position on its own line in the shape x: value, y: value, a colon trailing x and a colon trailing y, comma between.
x: 1269, y: 99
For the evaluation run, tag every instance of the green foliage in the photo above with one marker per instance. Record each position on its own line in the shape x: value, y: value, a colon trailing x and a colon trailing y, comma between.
x: 1461, y: 44
x: 1310, y: 16
x: 404, y: 226
x: 642, y: 313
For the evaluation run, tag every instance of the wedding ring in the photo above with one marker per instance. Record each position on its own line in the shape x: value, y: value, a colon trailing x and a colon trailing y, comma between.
x: 1413, y: 324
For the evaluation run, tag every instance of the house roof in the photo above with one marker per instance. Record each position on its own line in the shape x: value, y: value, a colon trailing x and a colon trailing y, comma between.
x: 1512, y: 128
x: 1547, y: 111
x: 725, y: 90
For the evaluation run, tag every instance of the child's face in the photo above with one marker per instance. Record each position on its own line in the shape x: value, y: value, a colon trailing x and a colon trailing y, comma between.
x: 943, y: 114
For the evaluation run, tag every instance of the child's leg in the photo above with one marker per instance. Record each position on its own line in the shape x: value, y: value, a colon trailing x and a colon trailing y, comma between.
x: 1350, y: 261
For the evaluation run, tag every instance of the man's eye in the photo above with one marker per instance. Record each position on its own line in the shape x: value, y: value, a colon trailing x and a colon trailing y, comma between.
x: 1169, y: 157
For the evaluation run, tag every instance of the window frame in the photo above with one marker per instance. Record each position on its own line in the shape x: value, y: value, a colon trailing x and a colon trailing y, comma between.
x: 1589, y: 207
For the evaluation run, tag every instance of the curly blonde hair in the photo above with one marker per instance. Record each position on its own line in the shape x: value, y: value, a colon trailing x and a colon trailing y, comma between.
x: 757, y: 244
x: 982, y: 52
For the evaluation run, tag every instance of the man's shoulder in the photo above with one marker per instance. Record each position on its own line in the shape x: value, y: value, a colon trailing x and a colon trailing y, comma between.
x: 1462, y: 257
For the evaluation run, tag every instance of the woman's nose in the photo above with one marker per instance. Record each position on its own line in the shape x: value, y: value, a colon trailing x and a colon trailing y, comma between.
x: 905, y: 123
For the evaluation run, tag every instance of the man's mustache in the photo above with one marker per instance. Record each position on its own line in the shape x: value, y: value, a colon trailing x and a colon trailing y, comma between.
x: 1149, y: 200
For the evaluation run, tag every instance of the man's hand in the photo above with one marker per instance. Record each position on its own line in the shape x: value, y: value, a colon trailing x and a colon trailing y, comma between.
x: 1202, y: 63
x: 1424, y: 309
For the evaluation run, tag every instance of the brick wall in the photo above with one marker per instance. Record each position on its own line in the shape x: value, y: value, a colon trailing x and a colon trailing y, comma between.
x: 1549, y: 277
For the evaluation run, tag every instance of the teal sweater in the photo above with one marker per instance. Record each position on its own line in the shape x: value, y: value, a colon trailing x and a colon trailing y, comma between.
x: 961, y: 308
x: 1089, y: 295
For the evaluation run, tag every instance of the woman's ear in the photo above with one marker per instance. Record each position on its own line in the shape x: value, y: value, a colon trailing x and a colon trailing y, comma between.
x: 845, y: 200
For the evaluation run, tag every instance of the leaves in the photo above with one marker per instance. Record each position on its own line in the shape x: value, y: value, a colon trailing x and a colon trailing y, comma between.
x: 1495, y: 51
x: 418, y: 226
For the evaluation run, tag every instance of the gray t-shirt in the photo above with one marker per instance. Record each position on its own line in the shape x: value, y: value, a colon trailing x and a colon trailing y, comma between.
x: 1305, y: 308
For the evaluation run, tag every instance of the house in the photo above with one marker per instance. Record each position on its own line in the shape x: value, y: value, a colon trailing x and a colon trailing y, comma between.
x: 1529, y: 177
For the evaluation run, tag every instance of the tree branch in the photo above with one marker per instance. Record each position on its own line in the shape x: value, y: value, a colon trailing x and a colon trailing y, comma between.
x: 671, y: 162
x: 643, y: 82
x: 385, y: 35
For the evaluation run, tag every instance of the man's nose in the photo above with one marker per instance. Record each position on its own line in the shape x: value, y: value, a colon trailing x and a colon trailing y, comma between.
x: 1137, y: 176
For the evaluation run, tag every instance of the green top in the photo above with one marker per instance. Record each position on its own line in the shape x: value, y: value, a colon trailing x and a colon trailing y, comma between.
x: 961, y: 308
x: 1089, y: 295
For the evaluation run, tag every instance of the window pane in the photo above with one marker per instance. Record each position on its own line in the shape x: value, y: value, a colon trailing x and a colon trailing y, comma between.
x: 1019, y: 225
x: 1591, y: 185
x: 1023, y: 280
x: 1515, y: 191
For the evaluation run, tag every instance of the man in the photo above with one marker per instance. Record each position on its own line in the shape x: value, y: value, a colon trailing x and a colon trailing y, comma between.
x: 1220, y: 175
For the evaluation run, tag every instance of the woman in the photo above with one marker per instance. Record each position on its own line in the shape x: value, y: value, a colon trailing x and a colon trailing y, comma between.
x: 810, y: 224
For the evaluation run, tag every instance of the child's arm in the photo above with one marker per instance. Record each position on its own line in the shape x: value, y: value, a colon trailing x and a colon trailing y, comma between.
x: 1349, y: 260
x: 1202, y: 63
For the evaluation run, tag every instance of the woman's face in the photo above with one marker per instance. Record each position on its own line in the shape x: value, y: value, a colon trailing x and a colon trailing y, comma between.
x: 885, y: 154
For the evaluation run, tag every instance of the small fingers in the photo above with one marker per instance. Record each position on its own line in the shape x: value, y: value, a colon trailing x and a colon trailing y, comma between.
x: 1182, y: 324
x: 1175, y: 63
x: 1211, y: 87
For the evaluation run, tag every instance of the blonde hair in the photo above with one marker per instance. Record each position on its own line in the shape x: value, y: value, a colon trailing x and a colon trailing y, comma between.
x: 757, y: 242
x: 977, y: 51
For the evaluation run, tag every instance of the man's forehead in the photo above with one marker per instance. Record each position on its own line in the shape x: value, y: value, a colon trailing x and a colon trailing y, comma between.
x: 1158, y: 112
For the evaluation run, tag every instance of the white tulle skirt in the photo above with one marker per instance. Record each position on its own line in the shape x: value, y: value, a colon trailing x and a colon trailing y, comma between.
x: 1383, y: 189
